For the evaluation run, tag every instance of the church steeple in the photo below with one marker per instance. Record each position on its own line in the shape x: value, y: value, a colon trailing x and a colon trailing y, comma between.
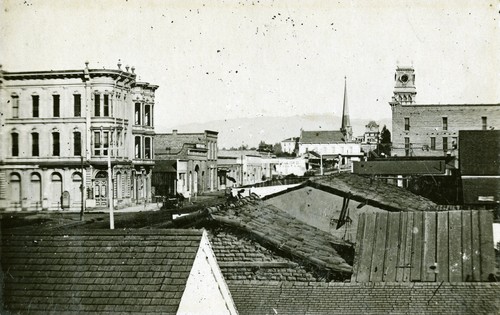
x: 346, y: 127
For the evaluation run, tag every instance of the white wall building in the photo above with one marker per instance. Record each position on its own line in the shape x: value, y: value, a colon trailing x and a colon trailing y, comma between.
x: 58, y: 130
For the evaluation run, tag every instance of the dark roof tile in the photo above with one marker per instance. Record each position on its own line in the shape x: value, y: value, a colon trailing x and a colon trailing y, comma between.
x: 274, y: 229
x: 375, y: 192
x: 97, y: 271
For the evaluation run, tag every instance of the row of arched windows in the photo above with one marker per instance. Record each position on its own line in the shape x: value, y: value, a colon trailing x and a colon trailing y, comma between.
x: 34, y: 190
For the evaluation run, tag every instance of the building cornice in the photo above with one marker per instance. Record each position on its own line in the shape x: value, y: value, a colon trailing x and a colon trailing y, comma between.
x: 70, y: 74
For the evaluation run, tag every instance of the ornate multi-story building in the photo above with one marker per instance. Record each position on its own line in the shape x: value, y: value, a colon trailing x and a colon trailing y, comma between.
x: 60, y: 129
x: 432, y: 129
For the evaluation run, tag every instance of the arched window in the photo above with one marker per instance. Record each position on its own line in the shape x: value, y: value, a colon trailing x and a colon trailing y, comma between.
x: 76, y: 188
x: 36, y: 187
x: 15, y: 187
x: 56, y: 189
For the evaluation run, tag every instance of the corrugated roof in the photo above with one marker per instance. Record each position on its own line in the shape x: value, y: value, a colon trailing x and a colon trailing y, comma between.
x: 275, y: 229
x: 372, y: 191
x: 98, y: 271
x: 321, y: 136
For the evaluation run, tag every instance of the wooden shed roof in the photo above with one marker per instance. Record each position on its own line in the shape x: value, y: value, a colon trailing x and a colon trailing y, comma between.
x: 450, y: 246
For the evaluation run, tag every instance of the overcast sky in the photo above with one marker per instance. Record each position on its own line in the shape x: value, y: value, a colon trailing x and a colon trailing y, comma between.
x: 225, y: 59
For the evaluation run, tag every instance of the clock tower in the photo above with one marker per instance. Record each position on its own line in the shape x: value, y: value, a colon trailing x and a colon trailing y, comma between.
x: 404, y: 88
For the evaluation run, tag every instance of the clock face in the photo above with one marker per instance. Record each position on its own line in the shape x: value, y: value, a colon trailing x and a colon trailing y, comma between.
x: 404, y: 78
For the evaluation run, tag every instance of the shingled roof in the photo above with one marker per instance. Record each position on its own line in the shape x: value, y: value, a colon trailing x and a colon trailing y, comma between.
x: 273, y: 297
x: 277, y: 230
x: 98, y: 271
x: 371, y: 191
x: 321, y: 136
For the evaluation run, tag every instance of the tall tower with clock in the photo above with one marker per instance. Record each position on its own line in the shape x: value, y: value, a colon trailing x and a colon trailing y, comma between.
x: 404, y: 89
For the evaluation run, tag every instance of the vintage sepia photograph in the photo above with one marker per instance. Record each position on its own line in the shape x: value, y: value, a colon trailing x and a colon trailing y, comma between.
x: 252, y: 157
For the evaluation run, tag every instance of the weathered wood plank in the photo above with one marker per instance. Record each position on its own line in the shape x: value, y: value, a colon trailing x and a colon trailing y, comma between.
x: 442, y: 248
x: 429, y: 257
x: 408, y: 250
x: 475, y: 246
x: 365, y: 261
x: 487, y: 249
x: 417, y: 247
x: 378, y: 257
x: 401, y: 246
x: 360, y: 234
x: 455, y: 246
x: 467, y: 245
x: 392, y: 247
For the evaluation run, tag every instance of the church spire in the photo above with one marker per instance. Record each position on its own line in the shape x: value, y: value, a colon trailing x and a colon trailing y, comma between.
x: 346, y: 128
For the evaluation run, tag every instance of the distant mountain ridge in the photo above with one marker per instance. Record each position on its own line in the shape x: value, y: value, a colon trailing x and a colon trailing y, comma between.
x: 250, y: 131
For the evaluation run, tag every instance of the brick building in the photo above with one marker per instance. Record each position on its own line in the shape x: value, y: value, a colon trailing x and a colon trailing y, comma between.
x: 432, y: 129
x: 59, y: 128
x: 193, y: 163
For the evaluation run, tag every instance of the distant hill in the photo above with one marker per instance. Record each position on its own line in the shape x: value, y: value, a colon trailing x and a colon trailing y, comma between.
x: 250, y: 131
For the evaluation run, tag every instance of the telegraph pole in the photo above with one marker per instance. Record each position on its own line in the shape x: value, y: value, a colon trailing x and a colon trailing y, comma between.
x: 82, y: 188
x: 110, y: 193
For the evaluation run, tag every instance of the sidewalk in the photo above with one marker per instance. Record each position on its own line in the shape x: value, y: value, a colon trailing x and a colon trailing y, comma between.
x: 153, y: 206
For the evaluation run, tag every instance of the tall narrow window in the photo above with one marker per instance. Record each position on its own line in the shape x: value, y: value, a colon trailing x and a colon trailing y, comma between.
x: 77, y: 105
x: 15, y: 187
x: 137, y: 115
x: 56, y: 105
x: 147, y: 148
x: 147, y: 115
x: 15, y: 144
x: 34, y: 144
x: 484, y: 122
x: 137, y: 147
x: 433, y: 143
x: 105, y: 142
x: 35, y: 101
x: 15, y: 106
x: 407, y: 146
x: 97, y: 143
x: 36, y: 187
x: 454, y: 143
x: 97, y: 105
x: 445, y: 143
x: 407, y: 124
x: 445, y: 123
x: 105, y: 110
x: 77, y: 143
x: 55, y: 144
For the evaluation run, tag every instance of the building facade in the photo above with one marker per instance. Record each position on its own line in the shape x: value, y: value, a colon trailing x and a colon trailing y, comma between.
x: 195, y: 157
x: 432, y: 130
x: 61, y: 129
x: 370, y: 138
x: 290, y: 145
x: 253, y: 166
